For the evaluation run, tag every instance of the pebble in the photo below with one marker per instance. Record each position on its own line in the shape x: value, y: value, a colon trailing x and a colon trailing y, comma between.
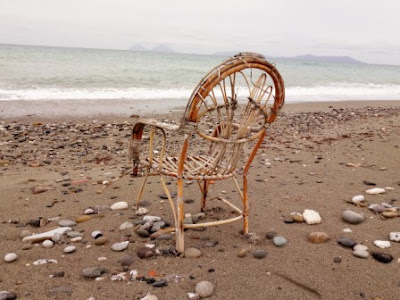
x: 47, y: 244
x: 60, y: 290
x: 125, y: 225
x: 382, y: 244
x: 358, y: 199
x: 242, y: 253
x: 26, y: 246
x: 25, y: 233
x: 297, y: 217
x: 360, y: 253
x: 145, y: 252
x: 280, y: 241
x: 126, y: 260
x: 382, y: 257
x: 318, y: 237
x: 74, y: 234
x: 352, y: 217
x: 142, y: 232
x: 204, y: 289
x: 4, y: 295
x: 160, y: 283
x: 192, y: 253
x: 149, y: 297
x: 96, y: 234
x: 346, y: 242
x: 151, y: 219
x: 164, y: 237
x: 10, y: 257
x: 394, y: 236
x: 259, y: 253
x: 377, y: 208
x: 100, y: 241
x: 119, y: 205
x: 83, y: 218
x: 93, y: 272
x: 271, y: 234
x: 69, y: 249
x: 375, y: 191
x: 142, y: 211
x: 311, y: 217
x: 390, y: 214
x: 120, y: 246
x: 66, y: 223
x: 337, y: 259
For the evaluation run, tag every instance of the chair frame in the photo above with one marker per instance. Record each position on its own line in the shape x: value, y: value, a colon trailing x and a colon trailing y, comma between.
x: 186, y: 167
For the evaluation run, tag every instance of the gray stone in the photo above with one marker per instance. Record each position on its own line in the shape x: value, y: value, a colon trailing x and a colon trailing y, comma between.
x: 145, y: 252
x: 74, y: 234
x: 346, y: 242
x: 204, y: 289
x: 120, y: 246
x: 164, y: 237
x: 126, y: 260
x: 93, y: 272
x: 352, y: 217
x: 259, y: 253
x: 192, y: 253
x: 271, y: 234
x: 142, y: 232
x: 60, y: 290
x: 66, y: 223
x: 280, y: 241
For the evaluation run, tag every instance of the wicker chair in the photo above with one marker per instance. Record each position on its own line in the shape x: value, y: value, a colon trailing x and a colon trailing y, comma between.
x: 231, y: 107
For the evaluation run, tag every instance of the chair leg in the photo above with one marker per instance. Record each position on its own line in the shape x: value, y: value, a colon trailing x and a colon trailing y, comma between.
x: 139, y: 196
x: 180, y: 240
x: 245, y: 200
x: 204, y: 191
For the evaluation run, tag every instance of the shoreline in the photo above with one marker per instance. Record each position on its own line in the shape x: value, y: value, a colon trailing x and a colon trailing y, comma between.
x: 73, y: 109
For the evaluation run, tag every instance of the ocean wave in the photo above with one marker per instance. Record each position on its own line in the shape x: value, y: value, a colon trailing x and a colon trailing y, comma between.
x: 334, y: 91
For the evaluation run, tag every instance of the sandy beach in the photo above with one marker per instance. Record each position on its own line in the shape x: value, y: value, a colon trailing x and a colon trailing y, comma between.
x: 56, y: 156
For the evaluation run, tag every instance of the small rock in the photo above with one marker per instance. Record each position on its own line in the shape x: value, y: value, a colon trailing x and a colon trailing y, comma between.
x: 93, y: 272
x: 164, y: 237
x: 126, y: 260
x: 375, y: 191
x: 96, y: 234
x: 74, y: 234
x: 271, y: 234
x: 83, y: 218
x: 360, y: 253
x: 160, y: 283
x: 120, y: 246
x: 4, y: 295
x: 101, y: 241
x: 66, y: 223
x: 377, y: 208
x: 382, y: 244
x: 192, y: 253
x: 10, y: 257
x: 358, y: 199
x: 346, y: 242
x: 394, y: 236
x: 125, y: 225
x: 47, y: 244
x: 149, y: 297
x: 119, y: 205
x: 58, y: 274
x: 311, y: 217
x: 242, y: 253
x: 382, y: 257
x: 352, y: 217
x: 367, y: 182
x: 151, y: 219
x: 259, y: 254
x: 318, y: 237
x: 143, y: 232
x: 280, y: 241
x: 142, y: 211
x: 297, y: 217
x: 204, y: 289
x: 390, y: 214
x: 69, y: 249
x: 26, y: 246
x: 337, y: 259
x: 60, y: 290
x: 145, y: 252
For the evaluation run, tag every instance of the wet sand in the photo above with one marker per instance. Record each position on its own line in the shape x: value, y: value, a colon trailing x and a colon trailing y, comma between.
x: 317, y: 156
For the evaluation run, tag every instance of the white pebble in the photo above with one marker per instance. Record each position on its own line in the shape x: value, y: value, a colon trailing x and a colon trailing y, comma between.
x: 47, y: 244
x: 311, y: 217
x: 204, y: 289
x: 375, y: 191
x: 10, y: 257
x: 142, y: 211
x: 149, y: 297
x: 119, y: 205
x: 382, y: 244
x: 152, y: 219
x: 358, y: 199
x: 394, y: 236
x: 125, y: 225
x: 120, y: 246
x: 95, y: 233
x: 69, y: 249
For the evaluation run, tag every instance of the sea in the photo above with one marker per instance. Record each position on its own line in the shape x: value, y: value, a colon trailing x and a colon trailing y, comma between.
x: 50, y: 73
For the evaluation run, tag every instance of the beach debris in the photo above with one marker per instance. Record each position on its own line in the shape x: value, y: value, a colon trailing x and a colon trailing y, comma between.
x: 192, y: 253
x: 119, y: 205
x: 204, y: 289
x: 193, y: 296
x: 382, y: 244
x: 40, y: 237
x: 280, y: 241
x: 311, y: 217
x: 318, y: 237
x: 394, y: 236
x: 260, y: 253
x: 120, y: 246
x: 10, y: 257
x: 382, y: 257
x: 375, y: 191
x: 352, y: 217
x: 367, y: 182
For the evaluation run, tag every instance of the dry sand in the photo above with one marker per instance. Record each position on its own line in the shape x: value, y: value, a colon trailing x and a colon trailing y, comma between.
x: 316, y: 157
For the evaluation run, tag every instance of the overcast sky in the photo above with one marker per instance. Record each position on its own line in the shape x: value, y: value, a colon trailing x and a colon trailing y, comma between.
x: 364, y: 29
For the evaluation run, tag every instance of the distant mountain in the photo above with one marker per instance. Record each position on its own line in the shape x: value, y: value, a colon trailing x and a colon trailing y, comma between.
x: 162, y: 48
x: 137, y: 47
x: 339, y: 59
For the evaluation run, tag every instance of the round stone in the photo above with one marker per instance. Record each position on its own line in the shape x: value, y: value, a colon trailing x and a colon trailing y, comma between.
x: 394, y: 236
x: 66, y: 223
x: 259, y: 253
x: 204, y: 289
x: 100, y: 241
x: 280, y: 241
x: 10, y: 257
x: 74, y: 234
x: 120, y: 246
x: 352, y: 217
x: 25, y: 233
x: 96, y: 234
x: 47, y: 244
x: 126, y: 260
x: 192, y: 253
x: 119, y: 205
x: 242, y: 253
x: 145, y: 252
x: 69, y: 249
x: 318, y: 237
x: 358, y: 199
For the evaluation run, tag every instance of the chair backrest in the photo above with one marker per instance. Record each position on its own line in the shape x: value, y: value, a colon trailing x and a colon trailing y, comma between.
x: 232, y: 105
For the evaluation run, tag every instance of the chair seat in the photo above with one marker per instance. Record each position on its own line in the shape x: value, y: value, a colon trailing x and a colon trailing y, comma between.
x: 197, y: 167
